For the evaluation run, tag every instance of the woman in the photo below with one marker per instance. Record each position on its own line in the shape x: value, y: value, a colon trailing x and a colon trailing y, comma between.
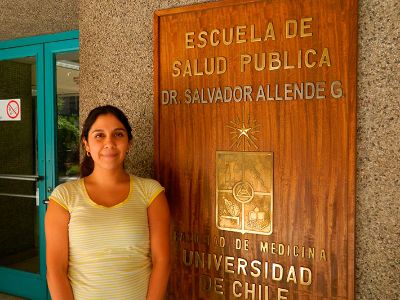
x: 107, y: 233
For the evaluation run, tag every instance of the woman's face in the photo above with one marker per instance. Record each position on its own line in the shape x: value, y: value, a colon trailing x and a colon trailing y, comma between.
x: 107, y: 142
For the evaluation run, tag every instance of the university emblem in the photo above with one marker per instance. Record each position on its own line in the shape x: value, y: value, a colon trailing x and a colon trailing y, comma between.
x: 244, y: 191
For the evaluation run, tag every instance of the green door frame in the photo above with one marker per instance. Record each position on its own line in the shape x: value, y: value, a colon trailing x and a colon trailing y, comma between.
x: 43, y: 48
x: 14, y: 281
x: 50, y: 52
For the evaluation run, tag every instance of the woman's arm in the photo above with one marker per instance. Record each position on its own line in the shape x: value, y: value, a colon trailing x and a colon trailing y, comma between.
x: 158, y: 215
x: 56, y: 227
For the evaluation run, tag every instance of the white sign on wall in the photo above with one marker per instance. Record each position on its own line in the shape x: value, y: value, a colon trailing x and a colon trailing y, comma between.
x: 10, y: 110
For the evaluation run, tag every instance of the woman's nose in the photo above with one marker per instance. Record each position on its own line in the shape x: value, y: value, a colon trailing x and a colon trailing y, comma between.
x: 109, y: 141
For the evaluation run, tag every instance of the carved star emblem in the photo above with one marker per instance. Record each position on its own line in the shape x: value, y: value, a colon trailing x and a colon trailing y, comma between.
x: 243, y: 132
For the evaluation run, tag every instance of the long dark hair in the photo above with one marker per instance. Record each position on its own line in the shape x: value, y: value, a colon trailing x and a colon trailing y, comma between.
x: 87, y: 164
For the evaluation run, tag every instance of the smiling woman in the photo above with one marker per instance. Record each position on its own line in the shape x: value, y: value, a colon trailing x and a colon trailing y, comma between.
x: 94, y: 131
x: 119, y: 219
x: 107, y: 142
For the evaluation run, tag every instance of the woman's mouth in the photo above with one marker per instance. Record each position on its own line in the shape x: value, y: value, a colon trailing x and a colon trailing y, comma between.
x: 109, y: 155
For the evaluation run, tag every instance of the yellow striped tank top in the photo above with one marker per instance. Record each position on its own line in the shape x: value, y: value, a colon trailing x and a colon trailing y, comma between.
x: 109, y: 247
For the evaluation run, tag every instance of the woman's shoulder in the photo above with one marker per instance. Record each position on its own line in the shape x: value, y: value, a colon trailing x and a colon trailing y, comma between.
x: 143, y: 180
x: 67, y: 187
x: 147, y: 188
x: 65, y: 193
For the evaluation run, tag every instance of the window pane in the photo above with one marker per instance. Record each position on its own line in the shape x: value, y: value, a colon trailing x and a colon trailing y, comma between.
x: 67, y: 115
x: 19, y: 238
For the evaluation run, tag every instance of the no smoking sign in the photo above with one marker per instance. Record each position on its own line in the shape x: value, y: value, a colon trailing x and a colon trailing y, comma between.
x: 10, y: 110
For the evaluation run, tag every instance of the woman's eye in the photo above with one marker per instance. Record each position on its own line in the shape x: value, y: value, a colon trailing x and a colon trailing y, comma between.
x: 98, y: 136
x: 119, y: 134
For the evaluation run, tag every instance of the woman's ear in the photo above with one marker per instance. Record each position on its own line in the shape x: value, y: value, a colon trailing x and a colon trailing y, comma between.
x: 86, y: 145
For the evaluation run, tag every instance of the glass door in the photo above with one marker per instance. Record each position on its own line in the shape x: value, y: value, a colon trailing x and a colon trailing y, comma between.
x: 62, y: 100
x: 22, y: 172
x: 39, y: 138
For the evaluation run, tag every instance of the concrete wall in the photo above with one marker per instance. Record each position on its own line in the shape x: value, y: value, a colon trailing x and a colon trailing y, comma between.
x: 378, y: 150
x: 116, y: 67
x: 21, y: 18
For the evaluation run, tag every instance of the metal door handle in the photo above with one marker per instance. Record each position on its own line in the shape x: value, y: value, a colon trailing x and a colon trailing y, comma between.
x: 21, y: 177
x: 18, y: 195
x: 36, y: 196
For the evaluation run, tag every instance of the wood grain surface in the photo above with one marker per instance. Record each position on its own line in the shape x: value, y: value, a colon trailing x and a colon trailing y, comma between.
x: 312, y: 141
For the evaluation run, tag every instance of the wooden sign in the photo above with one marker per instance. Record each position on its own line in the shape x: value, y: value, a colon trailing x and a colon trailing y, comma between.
x: 255, y: 124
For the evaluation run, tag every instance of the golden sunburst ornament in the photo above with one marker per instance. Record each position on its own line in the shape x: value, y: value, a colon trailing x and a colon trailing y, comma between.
x: 243, y: 131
